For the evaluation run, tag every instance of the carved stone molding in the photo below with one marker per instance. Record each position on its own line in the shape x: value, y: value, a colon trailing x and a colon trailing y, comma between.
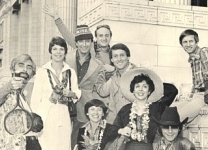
x: 185, y: 17
x: 175, y: 17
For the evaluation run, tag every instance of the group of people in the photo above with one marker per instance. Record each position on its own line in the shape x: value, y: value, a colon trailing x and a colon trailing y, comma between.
x: 118, y: 105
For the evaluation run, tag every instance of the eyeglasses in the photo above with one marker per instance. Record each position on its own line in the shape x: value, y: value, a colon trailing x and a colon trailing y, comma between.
x: 172, y: 127
x: 103, y: 26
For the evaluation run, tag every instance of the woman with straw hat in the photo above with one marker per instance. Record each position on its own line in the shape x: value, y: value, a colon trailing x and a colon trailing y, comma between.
x: 143, y: 88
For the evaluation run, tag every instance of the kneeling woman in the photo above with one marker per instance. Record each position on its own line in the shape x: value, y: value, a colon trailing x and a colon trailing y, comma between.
x: 143, y: 88
x: 96, y: 133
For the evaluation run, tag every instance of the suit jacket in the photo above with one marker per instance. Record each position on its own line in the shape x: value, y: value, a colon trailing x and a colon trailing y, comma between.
x: 87, y: 83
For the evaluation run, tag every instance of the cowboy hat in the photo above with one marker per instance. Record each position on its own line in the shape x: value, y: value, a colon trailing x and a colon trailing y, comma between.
x: 128, y: 76
x: 170, y: 117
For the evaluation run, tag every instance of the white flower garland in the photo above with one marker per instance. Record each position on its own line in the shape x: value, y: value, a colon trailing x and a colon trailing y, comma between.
x: 100, y: 135
x: 141, y: 133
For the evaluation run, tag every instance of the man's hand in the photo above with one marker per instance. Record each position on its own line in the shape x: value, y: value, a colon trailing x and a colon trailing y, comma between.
x: 204, y: 110
x: 18, y: 83
x: 51, y: 11
x: 109, y: 68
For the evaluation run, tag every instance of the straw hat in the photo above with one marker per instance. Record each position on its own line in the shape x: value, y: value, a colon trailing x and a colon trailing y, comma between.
x: 128, y: 76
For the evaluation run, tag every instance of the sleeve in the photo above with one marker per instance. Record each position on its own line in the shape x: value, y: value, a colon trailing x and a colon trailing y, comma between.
x: 102, y: 86
x: 67, y: 35
x: 186, y: 144
x: 4, y: 91
x: 111, y: 132
x: 36, y: 96
x: 204, y: 59
x: 80, y: 140
x: 121, y: 121
x: 74, y: 85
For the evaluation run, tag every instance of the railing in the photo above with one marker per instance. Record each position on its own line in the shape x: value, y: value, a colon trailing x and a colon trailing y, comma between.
x: 179, y: 2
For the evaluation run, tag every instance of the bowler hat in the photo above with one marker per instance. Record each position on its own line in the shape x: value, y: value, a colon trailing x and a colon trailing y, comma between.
x: 128, y: 76
x: 170, y: 117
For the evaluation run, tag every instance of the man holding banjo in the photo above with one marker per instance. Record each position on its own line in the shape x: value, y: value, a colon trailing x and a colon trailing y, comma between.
x: 18, y: 124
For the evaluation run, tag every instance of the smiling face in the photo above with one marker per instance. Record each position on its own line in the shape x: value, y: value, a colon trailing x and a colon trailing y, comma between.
x: 57, y: 53
x: 103, y: 37
x: 141, y: 90
x: 170, y: 132
x: 84, y: 46
x: 26, y: 66
x: 120, y: 59
x: 95, y: 114
x: 189, y: 44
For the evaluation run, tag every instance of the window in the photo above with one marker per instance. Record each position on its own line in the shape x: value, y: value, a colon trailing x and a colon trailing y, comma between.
x: 202, y: 3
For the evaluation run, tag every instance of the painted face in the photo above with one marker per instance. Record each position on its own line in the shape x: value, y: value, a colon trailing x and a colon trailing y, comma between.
x: 95, y: 114
x: 189, y: 44
x: 84, y: 46
x: 141, y: 90
x: 103, y: 37
x: 170, y: 132
x: 57, y: 53
x: 120, y: 59
x: 26, y: 66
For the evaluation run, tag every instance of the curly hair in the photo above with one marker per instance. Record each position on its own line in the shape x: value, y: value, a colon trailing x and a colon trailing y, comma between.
x: 142, y: 77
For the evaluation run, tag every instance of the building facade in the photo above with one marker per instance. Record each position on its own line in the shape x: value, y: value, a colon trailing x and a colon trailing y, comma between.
x: 150, y: 28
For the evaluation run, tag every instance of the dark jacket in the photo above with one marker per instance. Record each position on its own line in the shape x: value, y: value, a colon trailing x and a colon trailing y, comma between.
x: 110, y: 133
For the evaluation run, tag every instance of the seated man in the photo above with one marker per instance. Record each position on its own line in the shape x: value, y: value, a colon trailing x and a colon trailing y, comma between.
x: 23, y: 69
x: 170, y: 128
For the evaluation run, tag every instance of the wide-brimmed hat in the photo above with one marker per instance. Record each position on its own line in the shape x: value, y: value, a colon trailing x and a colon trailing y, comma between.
x: 128, y: 76
x: 170, y: 117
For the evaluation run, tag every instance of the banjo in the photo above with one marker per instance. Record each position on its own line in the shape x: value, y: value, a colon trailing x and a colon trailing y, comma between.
x: 18, y: 120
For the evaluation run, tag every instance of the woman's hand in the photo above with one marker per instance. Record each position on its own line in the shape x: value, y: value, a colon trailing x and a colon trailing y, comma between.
x: 68, y: 93
x: 125, y: 131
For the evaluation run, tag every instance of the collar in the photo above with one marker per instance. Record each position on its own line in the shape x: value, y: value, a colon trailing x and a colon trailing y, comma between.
x: 49, y: 66
x: 78, y: 56
x: 87, y: 126
x: 100, y: 48
x: 195, y: 56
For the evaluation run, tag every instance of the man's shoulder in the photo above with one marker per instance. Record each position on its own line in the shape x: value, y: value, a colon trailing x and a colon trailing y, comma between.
x: 96, y: 60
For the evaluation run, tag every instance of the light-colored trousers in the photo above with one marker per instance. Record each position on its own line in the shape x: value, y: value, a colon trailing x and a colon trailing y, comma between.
x: 190, y: 108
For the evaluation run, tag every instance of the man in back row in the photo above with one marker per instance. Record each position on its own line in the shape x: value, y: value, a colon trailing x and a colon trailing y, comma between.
x: 103, y: 35
x: 198, y: 58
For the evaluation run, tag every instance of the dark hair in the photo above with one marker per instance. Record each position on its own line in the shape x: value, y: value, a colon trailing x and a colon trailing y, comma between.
x: 103, y: 26
x: 96, y: 103
x: 189, y: 32
x: 119, y: 46
x: 139, y: 78
x: 160, y: 129
x: 58, y: 41
x: 23, y: 58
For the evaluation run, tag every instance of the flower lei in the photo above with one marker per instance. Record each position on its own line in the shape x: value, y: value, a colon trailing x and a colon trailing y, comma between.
x: 100, y: 135
x: 139, y: 128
